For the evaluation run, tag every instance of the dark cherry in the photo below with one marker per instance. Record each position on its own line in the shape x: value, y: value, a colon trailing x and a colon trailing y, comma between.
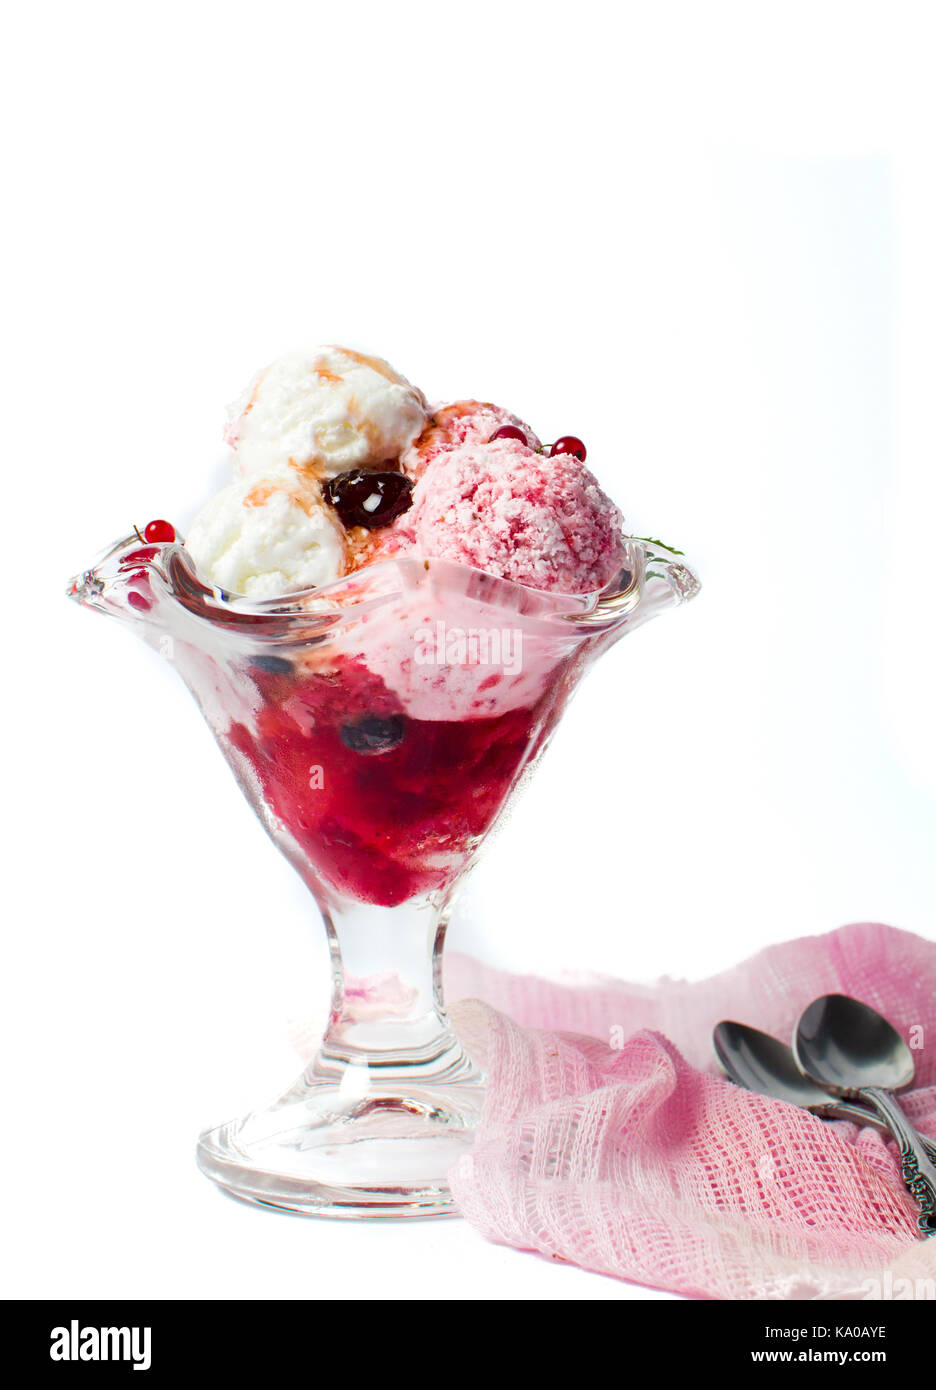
x: 373, y: 735
x: 568, y: 444
x: 364, y: 498
x: 273, y: 665
x: 509, y: 432
x: 159, y: 532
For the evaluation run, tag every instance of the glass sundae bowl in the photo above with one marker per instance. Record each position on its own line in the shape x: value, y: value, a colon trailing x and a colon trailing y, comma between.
x: 379, y: 727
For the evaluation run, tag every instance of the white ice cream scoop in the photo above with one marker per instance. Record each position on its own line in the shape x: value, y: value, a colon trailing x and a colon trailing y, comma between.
x: 324, y: 410
x: 264, y: 537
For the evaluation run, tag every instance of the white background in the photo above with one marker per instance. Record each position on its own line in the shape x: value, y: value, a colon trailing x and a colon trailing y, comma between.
x: 700, y: 237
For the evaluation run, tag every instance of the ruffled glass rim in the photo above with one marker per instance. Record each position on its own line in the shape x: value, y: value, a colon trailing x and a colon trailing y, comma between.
x: 649, y: 572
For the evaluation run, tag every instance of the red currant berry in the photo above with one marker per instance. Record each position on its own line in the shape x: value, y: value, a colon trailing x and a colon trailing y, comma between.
x: 159, y: 532
x: 568, y: 444
x: 509, y: 432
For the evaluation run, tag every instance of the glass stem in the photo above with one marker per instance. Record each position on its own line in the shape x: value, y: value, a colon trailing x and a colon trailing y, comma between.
x: 387, y: 1012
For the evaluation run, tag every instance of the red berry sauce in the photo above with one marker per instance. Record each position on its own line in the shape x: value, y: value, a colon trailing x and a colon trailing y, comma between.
x: 384, y: 807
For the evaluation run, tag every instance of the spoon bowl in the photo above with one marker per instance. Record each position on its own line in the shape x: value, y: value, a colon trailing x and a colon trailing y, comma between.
x: 766, y: 1065
x: 759, y: 1062
x: 845, y: 1045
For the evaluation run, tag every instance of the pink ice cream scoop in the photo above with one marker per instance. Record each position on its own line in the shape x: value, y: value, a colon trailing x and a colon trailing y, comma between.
x: 462, y: 422
x: 506, y: 509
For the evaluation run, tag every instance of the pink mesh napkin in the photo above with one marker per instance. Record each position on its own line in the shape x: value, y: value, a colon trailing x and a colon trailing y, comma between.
x: 609, y: 1140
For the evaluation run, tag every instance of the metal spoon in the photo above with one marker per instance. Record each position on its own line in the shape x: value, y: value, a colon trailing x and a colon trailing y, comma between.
x: 852, y: 1051
x: 766, y: 1065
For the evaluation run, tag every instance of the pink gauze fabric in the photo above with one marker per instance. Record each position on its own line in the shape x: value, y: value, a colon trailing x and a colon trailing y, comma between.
x: 609, y: 1139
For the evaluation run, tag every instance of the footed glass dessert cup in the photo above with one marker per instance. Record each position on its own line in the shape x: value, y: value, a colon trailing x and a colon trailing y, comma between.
x: 379, y: 728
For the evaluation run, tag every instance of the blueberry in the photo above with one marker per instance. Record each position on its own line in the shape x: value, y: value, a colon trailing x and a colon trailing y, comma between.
x: 273, y: 665
x: 373, y: 735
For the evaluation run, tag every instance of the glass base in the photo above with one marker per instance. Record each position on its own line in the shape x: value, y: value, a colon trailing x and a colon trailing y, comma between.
x: 325, y: 1150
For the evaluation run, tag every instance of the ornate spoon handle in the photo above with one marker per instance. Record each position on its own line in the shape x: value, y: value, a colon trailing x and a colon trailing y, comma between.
x: 919, y: 1173
x: 861, y: 1115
